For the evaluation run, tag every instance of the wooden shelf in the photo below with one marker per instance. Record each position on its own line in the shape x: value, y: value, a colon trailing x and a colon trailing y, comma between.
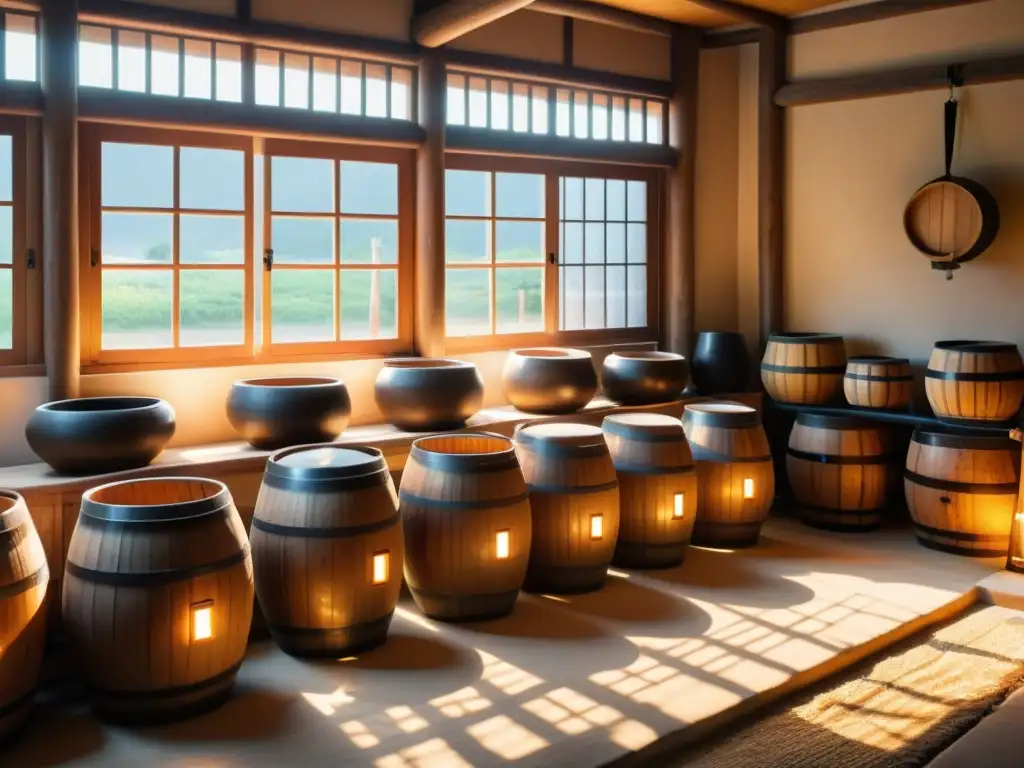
x: 907, y: 418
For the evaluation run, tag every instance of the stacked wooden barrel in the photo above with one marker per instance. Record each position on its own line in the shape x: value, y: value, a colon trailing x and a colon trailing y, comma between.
x: 980, y: 381
x: 158, y: 597
x: 24, y: 579
x: 840, y: 471
x: 574, y: 496
x: 327, y: 549
x: 878, y: 382
x: 657, y: 488
x: 735, y: 474
x: 803, y: 368
x: 466, y: 518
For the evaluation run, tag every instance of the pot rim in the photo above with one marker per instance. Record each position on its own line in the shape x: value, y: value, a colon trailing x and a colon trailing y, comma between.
x: 649, y: 355
x: 426, y: 363
x: 552, y: 353
x: 304, y: 382
x: 145, y: 402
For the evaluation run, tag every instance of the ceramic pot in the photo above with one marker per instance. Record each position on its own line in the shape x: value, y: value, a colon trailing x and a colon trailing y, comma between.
x: 278, y: 412
x: 549, y: 380
x: 424, y: 394
x: 720, y: 363
x: 644, y: 378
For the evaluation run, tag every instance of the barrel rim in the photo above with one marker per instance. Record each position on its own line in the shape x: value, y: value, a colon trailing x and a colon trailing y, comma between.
x: 878, y: 360
x: 314, y: 474
x: 738, y: 416
x: 975, y: 345
x: 14, y: 515
x: 156, y: 513
x: 521, y: 435
x: 298, y: 382
x: 502, y: 459
x: 937, y: 437
x: 794, y: 337
x: 828, y: 421
x: 551, y: 353
x: 669, y: 427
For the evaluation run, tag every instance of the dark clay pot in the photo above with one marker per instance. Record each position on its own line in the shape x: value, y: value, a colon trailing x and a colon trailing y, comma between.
x: 278, y: 412
x: 423, y: 394
x: 720, y: 363
x: 644, y: 378
x: 549, y: 380
x: 96, y: 435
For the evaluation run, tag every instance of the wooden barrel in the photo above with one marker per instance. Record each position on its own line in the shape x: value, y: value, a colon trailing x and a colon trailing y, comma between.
x: 466, y: 515
x: 805, y: 368
x: 878, y: 382
x: 574, y: 496
x: 158, y: 597
x: 979, y: 381
x: 327, y: 549
x: 657, y: 488
x: 735, y: 474
x: 840, y: 471
x: 24, y: 579
x: 951, y: 219
x: 962, y: 491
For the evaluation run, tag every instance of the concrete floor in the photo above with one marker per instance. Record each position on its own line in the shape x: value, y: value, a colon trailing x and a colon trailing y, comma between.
x: 577, y: 681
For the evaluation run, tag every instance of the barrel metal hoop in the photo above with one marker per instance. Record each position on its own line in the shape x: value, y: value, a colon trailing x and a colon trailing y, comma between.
x: 630, y: 432
x: 825, y: 458
x: 637, y: 469
x: 544, y: 448
x: 573, y: 490
x: 869, y: 377
x: 156, y: 578
x: 324, y: 632
x: 960, y: 535
x: 337, y: 532
x: 824, y: 370
x: 422, y: 501
x: 328, y: 484
x: 479, y: 464
x: 168, y: 693
x: 981, y: 489
x: 142, y: 514
x: 713, y: 457
x: 987, y: 376
x: 41, y: 576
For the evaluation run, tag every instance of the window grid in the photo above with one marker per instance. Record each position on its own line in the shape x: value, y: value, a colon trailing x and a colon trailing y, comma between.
x: 19, y: 46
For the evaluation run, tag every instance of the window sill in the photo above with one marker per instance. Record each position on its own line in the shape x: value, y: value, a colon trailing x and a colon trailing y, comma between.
x: 22, y: 371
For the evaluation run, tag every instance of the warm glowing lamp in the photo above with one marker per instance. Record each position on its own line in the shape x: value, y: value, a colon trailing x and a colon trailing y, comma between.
x: 202, y: 620
x: 748, y: 488
x: 501, y: 545
x: 381, y: 566
x: 677, y: 509
x: 1015, y: 557
x: 596, y: 526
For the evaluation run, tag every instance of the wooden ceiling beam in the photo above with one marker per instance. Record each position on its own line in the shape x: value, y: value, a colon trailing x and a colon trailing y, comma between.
x: 743, y: 12
x: 455, y: 18
x: 603, y: 14
x: 876, y: 11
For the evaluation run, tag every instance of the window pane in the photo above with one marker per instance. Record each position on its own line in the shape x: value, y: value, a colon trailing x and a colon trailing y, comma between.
x: 615, y: 288
x: 369, y: 188
x: 302, y: 241
x: 594, y: 197
x: 520, y: 107
x: 95, y: 57
x: 455, y: 107
x: 572, y: 199
x: 376, y: 91
x: 478, y: 102
x: 467, y: 301
x: 540, y: 109
x: 618, y: 118
x: 467, y: 193
x: 581, y: 115
x: 325, y: 85
x: 164, y: 57
x: 6, y: 168
x: 600, y: 116
x: 654, y: 122
x: 519, y: 241
x: 636, y: 200
x: 137, y: 175
x: 137, y: 238
x: 562, y: 112
x: 302, y: 185
x: 198, y: 69
x: 296, y: 81
x: 229, y: 72
x: 212, y: 305
x: 572, y: 298
x: 268, y: 77
x: 636, y: 120
x: 572, y: 243
x: 6, y: 234
x: 637, y: 296
x: 211, y: 239
x: 519, y: 195
x: 302, y: 305
x: 369, y: 241
x: 368, y: 304
x: 131, y: 61
x: 6, y: 309
x: 615, y: 243
x: 467, y: 241
x: 615, y: 200
x: 212, y: 179
x: 636, y: 247
x: 594, y: 243
x: 519, y: 294
x: 137, y: 308
x: 20, y: 47
x: 499, y: 105
x: 352, y: 87
x: 594, y: 307
x: 401, y: 93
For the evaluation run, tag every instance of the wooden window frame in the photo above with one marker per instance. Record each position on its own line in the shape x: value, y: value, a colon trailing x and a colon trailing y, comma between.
x: 552, y: 336
x: 405, y: 160
x: 26, y: 354
x: 94, y: 357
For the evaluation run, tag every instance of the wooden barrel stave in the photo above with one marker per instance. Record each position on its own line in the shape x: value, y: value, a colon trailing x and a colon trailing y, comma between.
x: 129, y: 588
x: 962, y: 492
x: 457, y: 493
x: 839, y: 470
x: 975, y: 381
x: 315, y: 534
x: 878, y: 382
x: 571, y: 479
x: 803, y: 368
x: 730, y: 447
x: 24, y: 581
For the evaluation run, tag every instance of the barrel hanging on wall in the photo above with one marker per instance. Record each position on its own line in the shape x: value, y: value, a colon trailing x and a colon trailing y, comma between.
x: 574, y: 496
x: 327, y: 549
x: 466, y: 518
x: 158, y: 597
x: 657, y: 488
x: 878, y: 382
x: 24, y: 579
x: 803, y: 368
x: 840, y: 471
x: 735, y: 473
x: 975, y: 380
x: 962, y: 491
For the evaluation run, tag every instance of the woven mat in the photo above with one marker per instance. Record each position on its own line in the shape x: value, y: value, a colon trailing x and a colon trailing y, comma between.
x: 896, y: 712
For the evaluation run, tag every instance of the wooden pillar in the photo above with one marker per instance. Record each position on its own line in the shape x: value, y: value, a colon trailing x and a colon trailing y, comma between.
x: 770, y: 178
x: 59, y: 79
x: 678, y: 294
x: 429, y: 329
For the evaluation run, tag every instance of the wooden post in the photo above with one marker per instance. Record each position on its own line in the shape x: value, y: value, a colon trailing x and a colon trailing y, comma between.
x: 429, y: 330
x: 770, y: 178
x: 59, y: 79
x: 678, y: 294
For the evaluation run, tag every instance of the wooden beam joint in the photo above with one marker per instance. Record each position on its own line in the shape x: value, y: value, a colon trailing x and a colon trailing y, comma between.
x: 454, y: 18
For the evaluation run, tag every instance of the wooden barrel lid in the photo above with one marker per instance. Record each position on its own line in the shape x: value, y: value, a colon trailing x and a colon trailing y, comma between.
x: 562, y: 439
x: 156, y: 499
x: 646, y: 427
x: 804, y: 338
x: 325, y: 468
x: 728, y: 415
x: 977, y: 347
x: 943, y: 219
